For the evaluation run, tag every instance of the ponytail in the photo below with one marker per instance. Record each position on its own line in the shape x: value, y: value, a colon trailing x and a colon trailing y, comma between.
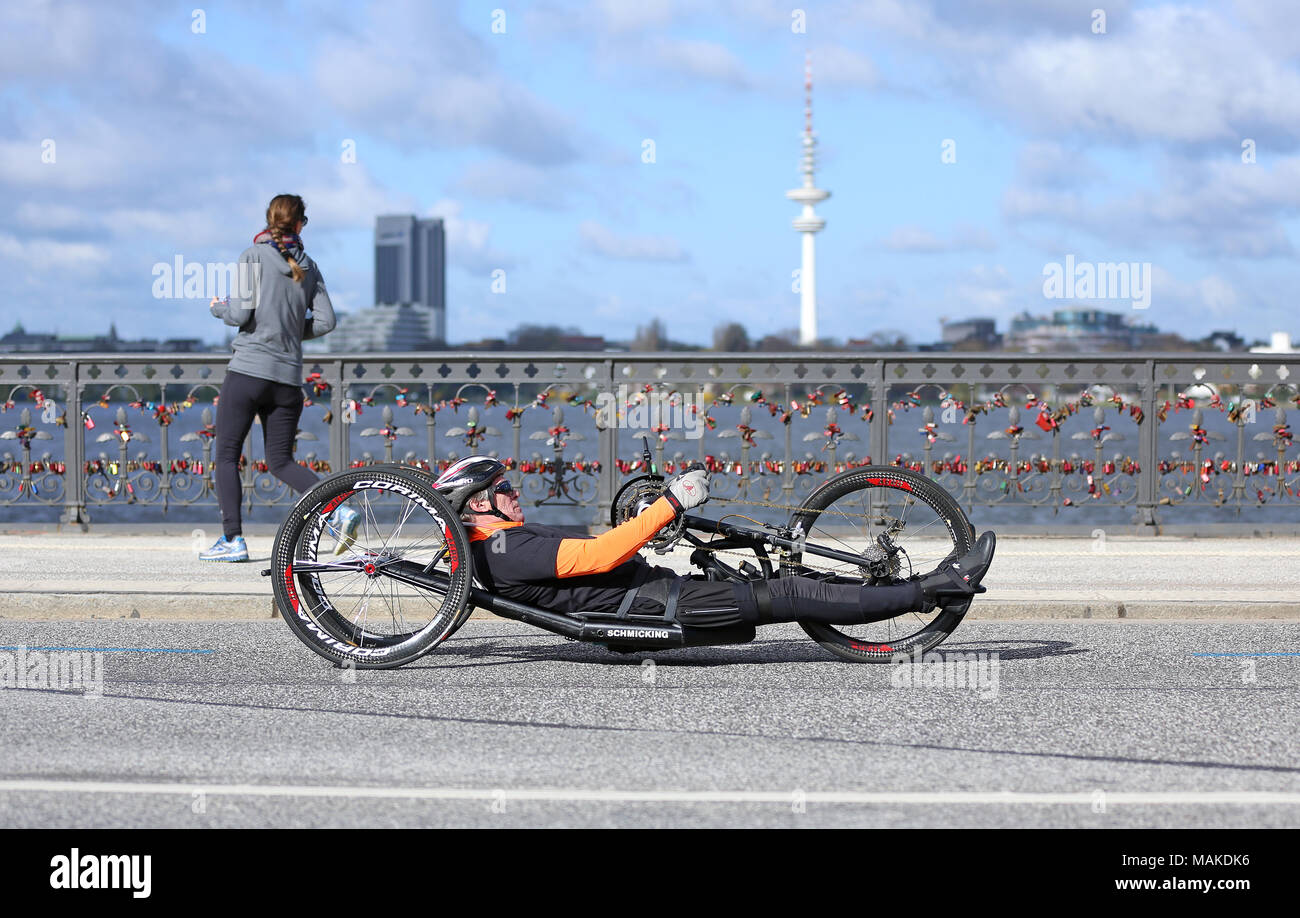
x: 278, y: 242
x: 283, y: 215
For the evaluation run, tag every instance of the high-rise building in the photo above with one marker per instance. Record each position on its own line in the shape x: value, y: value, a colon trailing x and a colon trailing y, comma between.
x: 411, y: 267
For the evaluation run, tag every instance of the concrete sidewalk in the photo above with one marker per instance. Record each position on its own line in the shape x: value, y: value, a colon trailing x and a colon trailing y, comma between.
x: 157, y: 575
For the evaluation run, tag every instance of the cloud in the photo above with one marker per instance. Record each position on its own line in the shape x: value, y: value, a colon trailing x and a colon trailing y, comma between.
x: 604, y: 241
x: 56, y: 153
x: 165, y: 145
x: 1178, y: 75
x: 1164, y: 80
x: 700, y: 60
x: 764, y: 14
x: 838, y: 66
x: 414, y: 76
x: 1271, y: 24
x: 623, y: 37
x: 1168, y: 73
x: 1026, y: 16
x: 622, y: 16
x: 1046, y: 162
x: 49, y: 217
x: 347, y: 196
x: 468, y: 241
x: 519, y: 183
x: 984, y: 290
x: 916, y: 240
x: 1218, y: 295
x: 1218, y: 209
x: 51, y: 255
x: 1211, y: 297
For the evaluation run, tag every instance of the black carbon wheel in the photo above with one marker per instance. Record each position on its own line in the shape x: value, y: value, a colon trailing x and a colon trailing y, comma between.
x: 338, y: 593
x: 920, y: 524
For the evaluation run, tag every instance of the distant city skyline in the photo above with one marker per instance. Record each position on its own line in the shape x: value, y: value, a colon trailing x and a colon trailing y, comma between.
x: 403, y: 328
x: 608, y: 164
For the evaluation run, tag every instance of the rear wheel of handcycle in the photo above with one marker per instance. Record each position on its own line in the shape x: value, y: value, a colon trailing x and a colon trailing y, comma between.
x: 899, y: 523
x: 333, y: 589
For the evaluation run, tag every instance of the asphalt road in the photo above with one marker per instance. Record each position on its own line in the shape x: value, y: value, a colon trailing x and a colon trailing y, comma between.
x: 1101, y: 724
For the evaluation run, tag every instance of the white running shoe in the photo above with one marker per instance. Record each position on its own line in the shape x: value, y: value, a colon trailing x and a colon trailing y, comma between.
x: 343, y: 522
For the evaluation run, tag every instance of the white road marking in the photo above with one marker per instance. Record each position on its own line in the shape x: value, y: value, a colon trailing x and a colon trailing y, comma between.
x: 575, y: 794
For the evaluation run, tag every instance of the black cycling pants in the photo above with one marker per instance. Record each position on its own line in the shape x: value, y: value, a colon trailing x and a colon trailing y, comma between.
x: 790, y: 599
x: 279, y: 406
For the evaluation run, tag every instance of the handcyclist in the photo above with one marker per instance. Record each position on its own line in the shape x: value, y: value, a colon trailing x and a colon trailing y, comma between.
x: 547, y: 567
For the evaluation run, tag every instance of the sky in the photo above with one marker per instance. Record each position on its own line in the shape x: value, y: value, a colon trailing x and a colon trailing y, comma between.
x: 135, y: 132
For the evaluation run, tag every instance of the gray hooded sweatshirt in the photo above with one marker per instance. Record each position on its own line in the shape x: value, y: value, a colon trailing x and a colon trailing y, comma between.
x: 270, y: 309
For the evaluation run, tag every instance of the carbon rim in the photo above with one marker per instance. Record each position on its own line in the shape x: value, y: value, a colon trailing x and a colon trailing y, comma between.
x: 347, y: 592
x: 921, y: 526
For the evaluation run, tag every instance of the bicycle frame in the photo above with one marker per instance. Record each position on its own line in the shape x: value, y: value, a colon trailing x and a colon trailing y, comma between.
x: 634, y: 632
x: 747, y: 537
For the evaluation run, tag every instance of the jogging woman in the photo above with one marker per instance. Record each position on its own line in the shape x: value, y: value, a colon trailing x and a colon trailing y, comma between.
x: 280, y: 302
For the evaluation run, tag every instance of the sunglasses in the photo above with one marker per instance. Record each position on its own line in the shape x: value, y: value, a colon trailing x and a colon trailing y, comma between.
x: 504, y: 488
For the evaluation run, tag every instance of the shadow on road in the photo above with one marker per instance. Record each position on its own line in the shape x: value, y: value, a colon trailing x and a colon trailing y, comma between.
x: 476, y: 652
x: 1011, y: 650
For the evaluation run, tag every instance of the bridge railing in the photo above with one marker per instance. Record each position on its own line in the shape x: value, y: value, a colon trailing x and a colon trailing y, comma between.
x: 1051, y: 438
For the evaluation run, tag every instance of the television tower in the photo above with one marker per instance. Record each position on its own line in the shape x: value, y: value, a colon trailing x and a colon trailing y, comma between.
x: 808, y: 222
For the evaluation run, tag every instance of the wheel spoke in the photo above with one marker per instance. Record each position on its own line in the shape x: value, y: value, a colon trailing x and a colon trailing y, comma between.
x: 916, y: 543
x: 343, y: 593
x: 335, y: 567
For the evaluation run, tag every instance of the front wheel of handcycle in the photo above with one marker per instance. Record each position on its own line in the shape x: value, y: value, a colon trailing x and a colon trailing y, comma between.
x: 335, y: 585
x: 896, y: 523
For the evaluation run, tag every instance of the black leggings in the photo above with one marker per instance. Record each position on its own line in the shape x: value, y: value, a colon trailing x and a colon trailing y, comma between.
x: 279, y: 406
x: 792, y: 599
x: 716, y: 603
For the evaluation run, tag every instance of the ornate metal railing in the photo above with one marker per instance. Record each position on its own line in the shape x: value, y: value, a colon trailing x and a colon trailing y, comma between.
x: 1046, y: 436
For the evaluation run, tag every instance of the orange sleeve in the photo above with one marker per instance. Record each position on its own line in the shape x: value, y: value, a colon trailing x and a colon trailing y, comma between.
x: 607, y: 551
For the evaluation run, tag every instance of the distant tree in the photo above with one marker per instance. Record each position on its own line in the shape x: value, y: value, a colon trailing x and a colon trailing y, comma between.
x: 529, y: 337
x: 781, y: 341
x: 650, y: 337
x: 1169, y: 341
x: 730, y: 337
x: 887, y: 340
x: 891, y: 339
